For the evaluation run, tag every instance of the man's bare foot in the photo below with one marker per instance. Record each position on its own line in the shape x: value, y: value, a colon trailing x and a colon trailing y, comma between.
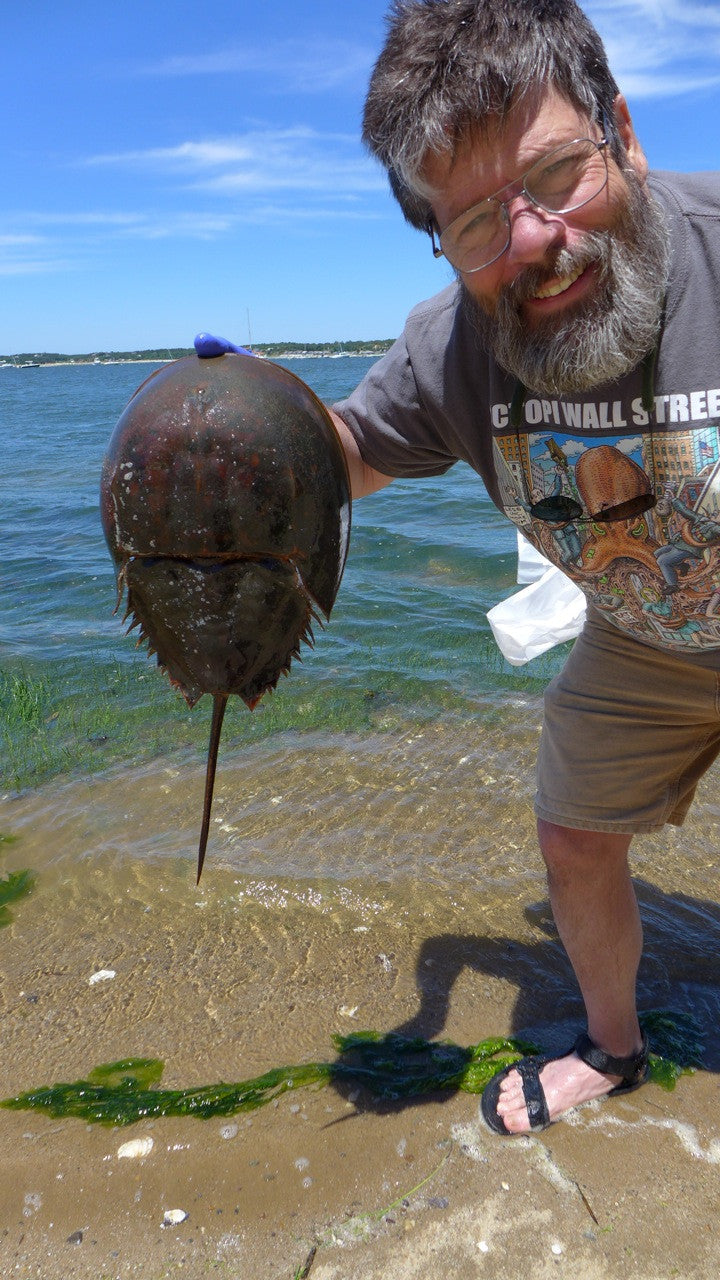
x: 566, y: 1082
x: 534, y: 1091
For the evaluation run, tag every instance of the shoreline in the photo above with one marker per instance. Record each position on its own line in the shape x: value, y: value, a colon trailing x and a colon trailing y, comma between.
x: 337, y: 1192
x: 265, y: 971
x: 304, y: 354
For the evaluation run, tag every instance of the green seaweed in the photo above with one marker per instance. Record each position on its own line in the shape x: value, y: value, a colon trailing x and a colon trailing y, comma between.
x: 23, y: 698
x: 14, y: 886
x: 677, y: 1045
x: 56, y: 720
x: 389, y: 1067
x: 395, y: 1066
x: 121, y: 1093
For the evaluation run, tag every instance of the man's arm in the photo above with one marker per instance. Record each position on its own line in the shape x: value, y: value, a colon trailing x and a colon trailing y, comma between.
x: 363, y: 478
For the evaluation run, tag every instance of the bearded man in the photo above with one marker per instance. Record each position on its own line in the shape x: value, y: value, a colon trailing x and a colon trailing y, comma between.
x: 575, y: 366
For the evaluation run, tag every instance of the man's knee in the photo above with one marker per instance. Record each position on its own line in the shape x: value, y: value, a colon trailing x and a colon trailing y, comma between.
x: 569, y: 848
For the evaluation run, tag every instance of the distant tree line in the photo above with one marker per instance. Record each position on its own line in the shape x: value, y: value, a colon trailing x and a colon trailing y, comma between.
x: 94, y: 357
x: 356, y: 346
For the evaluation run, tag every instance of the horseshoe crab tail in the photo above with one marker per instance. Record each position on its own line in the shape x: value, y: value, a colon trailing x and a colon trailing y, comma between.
x: 219, y: 705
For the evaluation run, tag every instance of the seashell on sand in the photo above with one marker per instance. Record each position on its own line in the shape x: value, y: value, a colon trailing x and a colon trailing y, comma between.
x: 173, y: 1217
x: 102, y: 975
x: 135, y: 1149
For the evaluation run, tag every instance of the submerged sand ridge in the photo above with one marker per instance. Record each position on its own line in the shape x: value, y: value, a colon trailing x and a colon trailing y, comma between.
x: 312, y: 923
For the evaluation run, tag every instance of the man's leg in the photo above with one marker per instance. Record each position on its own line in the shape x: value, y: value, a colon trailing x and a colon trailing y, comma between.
x: 597, y: 917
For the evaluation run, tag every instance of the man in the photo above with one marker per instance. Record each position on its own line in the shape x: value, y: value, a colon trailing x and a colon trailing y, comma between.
x: 576, y: 366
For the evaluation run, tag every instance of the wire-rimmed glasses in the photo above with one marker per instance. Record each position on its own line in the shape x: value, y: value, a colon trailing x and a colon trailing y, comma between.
x: 561, y: 181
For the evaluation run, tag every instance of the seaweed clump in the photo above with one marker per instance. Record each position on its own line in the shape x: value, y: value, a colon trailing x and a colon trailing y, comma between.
x: 13, y: 887
x: 389, y: 1067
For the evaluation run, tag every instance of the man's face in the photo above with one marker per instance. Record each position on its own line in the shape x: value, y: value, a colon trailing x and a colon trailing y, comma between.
x: 575, y: 299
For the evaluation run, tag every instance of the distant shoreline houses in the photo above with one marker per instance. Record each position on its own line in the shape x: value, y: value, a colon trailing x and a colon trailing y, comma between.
x: 271, y: 350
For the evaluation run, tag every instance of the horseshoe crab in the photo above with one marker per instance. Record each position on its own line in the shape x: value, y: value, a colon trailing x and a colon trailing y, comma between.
x: 225, y: 503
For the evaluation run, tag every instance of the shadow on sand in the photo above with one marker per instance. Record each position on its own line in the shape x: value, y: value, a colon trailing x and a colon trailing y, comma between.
x: 679, y: 973
x: 680, y: 976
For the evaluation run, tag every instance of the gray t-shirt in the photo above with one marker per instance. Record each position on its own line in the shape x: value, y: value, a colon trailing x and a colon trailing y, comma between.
x: 438, y: 397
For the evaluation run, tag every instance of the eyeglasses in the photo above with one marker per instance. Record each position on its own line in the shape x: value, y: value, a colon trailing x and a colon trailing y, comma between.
x: 558, y: 508
x: 563, y: 180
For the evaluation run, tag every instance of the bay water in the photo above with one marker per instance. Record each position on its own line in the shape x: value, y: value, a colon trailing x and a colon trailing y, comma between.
x: 372, y: 857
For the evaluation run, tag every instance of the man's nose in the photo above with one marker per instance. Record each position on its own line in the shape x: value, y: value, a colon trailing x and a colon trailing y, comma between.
x: 533, y: 231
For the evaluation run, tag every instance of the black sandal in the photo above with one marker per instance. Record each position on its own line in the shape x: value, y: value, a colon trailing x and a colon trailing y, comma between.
x: 633, y: 1069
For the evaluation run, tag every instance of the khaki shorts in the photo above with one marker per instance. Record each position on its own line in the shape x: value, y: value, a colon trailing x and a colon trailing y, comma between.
x: 628, y: 732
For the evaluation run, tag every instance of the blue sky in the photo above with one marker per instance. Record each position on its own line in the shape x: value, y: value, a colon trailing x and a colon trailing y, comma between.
x: 170, y: 167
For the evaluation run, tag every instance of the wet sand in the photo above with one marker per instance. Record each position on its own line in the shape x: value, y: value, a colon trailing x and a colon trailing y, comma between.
x: 630, y: 1190
x: 256, y: 969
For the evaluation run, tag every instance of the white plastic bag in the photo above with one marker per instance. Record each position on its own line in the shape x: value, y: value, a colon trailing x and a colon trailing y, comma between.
x: 532, y: 564
x: 549, y: 611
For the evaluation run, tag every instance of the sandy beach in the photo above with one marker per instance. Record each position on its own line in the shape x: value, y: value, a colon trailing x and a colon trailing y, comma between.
x: 247, y: 974
x: 628, y: 1191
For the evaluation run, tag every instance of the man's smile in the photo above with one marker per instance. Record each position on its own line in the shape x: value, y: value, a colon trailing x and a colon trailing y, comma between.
x: 560, y: 292
x: 558, y: 285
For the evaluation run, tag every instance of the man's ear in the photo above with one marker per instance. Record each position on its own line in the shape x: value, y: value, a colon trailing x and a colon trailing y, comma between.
x: 629, y: 138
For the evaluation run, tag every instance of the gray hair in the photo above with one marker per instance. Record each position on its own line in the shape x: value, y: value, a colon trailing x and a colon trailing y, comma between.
x: 448, y: 67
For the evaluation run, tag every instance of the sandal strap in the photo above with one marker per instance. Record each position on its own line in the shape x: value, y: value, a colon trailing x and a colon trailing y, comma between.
x: 630, y: 1069
x: 535, y: 1102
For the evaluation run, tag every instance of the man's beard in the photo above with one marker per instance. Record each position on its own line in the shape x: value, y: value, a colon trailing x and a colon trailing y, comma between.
x: 605, y: 335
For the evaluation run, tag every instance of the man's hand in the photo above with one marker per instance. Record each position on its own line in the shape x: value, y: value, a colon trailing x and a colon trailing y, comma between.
x: 208, y: 345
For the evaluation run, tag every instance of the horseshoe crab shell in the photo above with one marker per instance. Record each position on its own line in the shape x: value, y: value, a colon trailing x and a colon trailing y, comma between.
x: 225, y: 503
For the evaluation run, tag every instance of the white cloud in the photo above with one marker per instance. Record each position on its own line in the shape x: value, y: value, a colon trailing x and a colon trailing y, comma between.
x: 12, y: 240
x: 82, y: 218
x: 657, y: 48
x: 629, y: 444
x: 29, y: 256
x: 295, y: 177
x: 660, y: 48
x: 289, y: 66
x: 662, y: 12
x: 186, y: 155
x: 292, y: 159
x: 307, y: 176
x: 292, y: 213
x: 67, y: 239
x: 182, y: 225
x: 573, y: 448
x: 74, y: 240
